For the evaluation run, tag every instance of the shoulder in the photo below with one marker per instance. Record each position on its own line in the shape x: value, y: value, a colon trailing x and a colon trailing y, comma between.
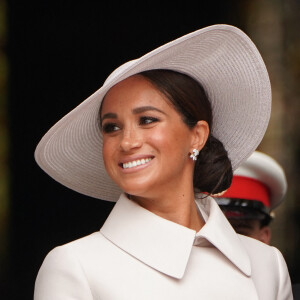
x: 63, y: 271
x: 267, y: 262
x: 89, y: 248
x: 252, y: 245
x: 258, y: 250
x: 262, y: 255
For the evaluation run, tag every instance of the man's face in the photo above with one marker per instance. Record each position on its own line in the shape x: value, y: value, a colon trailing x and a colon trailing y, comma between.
x: 252, y: 228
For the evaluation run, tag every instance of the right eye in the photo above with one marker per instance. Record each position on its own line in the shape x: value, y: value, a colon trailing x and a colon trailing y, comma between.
x: 110, y: 127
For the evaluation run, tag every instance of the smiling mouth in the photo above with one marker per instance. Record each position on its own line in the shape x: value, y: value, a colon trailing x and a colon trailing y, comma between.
x: 136, y: 163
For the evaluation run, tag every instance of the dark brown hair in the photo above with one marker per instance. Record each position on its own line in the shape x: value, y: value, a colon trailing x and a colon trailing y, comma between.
x: 213, y: 170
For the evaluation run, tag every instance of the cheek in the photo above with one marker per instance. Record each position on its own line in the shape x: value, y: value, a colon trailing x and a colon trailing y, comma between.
x: 107, y: 152
x: 104, y: 156
x: 170, y: 142
x: 159, y: 141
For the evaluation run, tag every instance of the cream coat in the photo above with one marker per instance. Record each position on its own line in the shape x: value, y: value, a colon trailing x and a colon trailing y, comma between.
x: 138, y: 256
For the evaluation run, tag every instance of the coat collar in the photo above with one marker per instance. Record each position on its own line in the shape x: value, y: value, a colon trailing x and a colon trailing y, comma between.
x: 165, y: 245
x: 218, y: 231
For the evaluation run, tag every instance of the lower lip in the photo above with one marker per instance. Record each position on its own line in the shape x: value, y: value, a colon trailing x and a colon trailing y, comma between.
x: 136, y: 168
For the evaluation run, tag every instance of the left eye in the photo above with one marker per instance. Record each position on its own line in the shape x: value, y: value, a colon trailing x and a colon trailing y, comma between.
x: 110, y: 127
x: 147, y: 120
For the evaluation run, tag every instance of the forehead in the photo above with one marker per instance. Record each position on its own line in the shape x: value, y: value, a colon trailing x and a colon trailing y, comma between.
x: 135, y: 90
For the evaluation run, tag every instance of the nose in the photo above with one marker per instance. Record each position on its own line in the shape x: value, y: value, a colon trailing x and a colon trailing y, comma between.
x: 131, y: 139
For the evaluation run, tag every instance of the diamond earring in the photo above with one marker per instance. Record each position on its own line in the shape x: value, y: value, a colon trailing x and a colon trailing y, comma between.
x: 194, y: 154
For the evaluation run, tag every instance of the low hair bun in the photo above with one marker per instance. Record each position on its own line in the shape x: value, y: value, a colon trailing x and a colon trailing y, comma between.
x: 213, y: 171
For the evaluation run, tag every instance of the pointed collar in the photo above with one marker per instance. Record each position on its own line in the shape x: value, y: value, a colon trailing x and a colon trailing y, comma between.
x: 165, y: 245
x: 218, y: 231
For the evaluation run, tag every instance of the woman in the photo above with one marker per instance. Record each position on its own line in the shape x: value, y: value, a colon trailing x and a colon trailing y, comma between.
x: 171, y: 125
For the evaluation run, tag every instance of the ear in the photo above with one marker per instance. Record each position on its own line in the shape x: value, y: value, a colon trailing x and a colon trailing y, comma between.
x: 200, y: 135
x: 265, y: 235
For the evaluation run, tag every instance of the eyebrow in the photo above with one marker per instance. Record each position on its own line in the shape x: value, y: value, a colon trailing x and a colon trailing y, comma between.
x: 108, y: 116
x: 135, y: 111
x: 142, y: 109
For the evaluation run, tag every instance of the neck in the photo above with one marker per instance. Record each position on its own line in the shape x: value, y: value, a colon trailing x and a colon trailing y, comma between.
x: 179, y: 208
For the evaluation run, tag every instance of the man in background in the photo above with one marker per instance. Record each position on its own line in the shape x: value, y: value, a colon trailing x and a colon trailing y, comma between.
x: 258, y: 186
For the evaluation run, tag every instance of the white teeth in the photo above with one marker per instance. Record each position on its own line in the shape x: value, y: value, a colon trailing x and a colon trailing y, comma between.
x: 136, y: 163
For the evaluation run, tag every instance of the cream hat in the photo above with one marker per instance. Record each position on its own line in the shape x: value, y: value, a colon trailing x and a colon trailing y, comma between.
x: 221, y: 57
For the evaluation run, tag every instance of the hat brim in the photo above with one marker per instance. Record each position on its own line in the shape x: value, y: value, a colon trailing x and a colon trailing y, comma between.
x: 221, y: 57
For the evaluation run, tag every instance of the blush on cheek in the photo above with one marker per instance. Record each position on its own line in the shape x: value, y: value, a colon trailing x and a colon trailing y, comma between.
x: 156, y: 139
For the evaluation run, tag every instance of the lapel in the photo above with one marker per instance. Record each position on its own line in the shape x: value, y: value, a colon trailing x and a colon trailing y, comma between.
x: 218, y: 231
x: 165, y: 245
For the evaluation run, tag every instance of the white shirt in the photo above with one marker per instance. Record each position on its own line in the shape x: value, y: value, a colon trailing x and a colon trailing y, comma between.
x: 139, y: 255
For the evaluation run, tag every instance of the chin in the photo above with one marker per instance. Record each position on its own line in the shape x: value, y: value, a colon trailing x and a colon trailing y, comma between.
x: 137, y: 191
x: 137, y: 186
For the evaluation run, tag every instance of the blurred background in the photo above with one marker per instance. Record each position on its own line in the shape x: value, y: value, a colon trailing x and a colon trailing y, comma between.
x: 54, y: 54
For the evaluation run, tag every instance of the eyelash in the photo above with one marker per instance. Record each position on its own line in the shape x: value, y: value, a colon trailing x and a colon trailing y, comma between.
x: 145, y: 120
x: 111, y: 127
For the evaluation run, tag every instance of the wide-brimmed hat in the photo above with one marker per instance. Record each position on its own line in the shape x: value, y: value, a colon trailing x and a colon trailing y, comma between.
x: 259, y: 184
x: 221, y: 57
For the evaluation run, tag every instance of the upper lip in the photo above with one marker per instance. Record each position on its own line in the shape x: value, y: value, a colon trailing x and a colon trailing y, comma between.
x: 136, y: 157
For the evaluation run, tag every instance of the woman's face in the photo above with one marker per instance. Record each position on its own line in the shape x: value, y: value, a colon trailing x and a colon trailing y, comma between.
x: 146, y: 145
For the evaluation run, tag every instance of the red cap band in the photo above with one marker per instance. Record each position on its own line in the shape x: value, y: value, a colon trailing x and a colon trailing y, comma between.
x: 248, y: 189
